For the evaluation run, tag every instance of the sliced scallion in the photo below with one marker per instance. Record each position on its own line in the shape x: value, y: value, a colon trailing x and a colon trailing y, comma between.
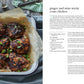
x: 3, y: 51
x: 1, y: 43
x: 19, y: 47
x: 18, y: 42
x: 15, y: 26
x: 24, y: 69
x: 7, y: 56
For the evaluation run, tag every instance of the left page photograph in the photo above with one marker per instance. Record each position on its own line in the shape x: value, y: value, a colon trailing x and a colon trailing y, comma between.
x: 21, y: 41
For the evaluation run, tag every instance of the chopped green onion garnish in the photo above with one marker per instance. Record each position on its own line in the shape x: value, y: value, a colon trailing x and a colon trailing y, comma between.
x: 10, y: 39
x: 10, y: 50
x: 18, y: 41
x: 15, y: 26
x: 25, y: 27
x: 19, y: 71
x: 7, y: 56
x: 19, y: 59
x: 3, y: 51
x: 19, y: 47
x: 24, y: 69
x: 24, y: 55
x: 18, y: 26
x: 1, y: 43
x: 24, y: 37
x: 22, y: 22
x: 27, y: 55
x: 28, y: 59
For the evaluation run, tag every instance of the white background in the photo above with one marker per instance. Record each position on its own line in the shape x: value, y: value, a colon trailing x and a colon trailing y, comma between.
x: 55, y: 64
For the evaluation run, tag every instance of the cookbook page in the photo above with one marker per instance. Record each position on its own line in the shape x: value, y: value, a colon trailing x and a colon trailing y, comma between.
x: 64, y: 42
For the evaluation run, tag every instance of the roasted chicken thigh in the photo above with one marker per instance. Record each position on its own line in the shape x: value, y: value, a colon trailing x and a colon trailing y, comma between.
x: 20, y: 46
x: 17, y: 62
x: 14, y: 47
x: 15, y: 30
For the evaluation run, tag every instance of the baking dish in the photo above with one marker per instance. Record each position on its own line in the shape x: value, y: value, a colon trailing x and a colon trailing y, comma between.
x: 33, y: 66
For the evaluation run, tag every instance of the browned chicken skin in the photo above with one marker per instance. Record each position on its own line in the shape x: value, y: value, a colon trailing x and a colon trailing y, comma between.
x: 2, y: 60
x: 15, y: 30
x: 13, y: 46
x: 20, y: 46
x: 2, y: 30
x: 17, y: 62
x: 4, y: 44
